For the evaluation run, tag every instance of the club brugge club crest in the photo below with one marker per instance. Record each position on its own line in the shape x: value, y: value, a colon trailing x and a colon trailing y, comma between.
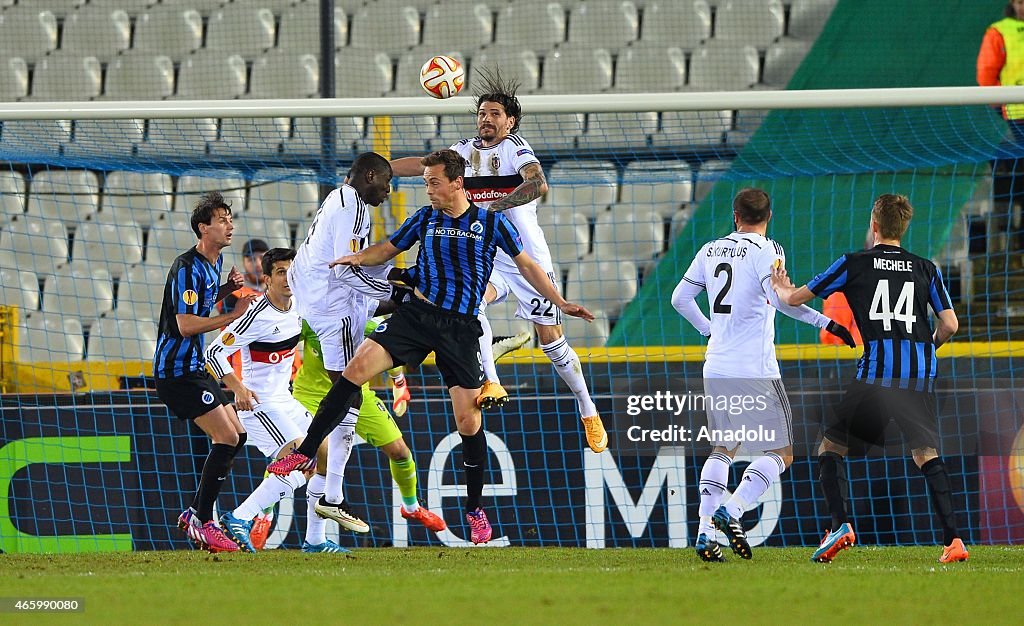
x: 381, y: 327
x: 476, y: 227
x: 207, y: 397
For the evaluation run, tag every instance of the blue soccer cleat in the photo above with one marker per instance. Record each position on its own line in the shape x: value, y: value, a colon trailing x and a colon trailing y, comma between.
x: 732, y: 528
x: 238, y: 530
x: 833, y: 543
x: 326, y: 546
x: 708, y: 550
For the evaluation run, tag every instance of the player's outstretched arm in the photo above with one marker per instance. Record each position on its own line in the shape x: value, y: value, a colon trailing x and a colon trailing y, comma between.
x: 946, y: 327
x: 540, y: 281
x: 190, y: 325
x: 377, y: 254
x: 534, y: 185
x: 407, y: 166
x: 788, y: 293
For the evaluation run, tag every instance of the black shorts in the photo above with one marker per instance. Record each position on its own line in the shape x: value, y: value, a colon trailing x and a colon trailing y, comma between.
x: 419, y: 328
x: 860, y: 418
x: 192, y: 395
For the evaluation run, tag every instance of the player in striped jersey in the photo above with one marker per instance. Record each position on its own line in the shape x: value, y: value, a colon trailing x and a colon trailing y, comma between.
x: 504, y: 175
x: 889, y: 290
x: 741, y: 362
x: 182, y: 382
x: 458, y: 241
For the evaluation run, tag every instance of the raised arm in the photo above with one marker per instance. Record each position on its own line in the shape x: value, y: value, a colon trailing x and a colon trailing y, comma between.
x: 534, y: 185
x: 377, y: 254
x: 407, y: 166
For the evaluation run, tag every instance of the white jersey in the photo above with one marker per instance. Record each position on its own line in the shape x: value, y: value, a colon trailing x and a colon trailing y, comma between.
x: 491, y: 174
x: 267, y: 337
x: 736, y: 272
x: 341, y: 227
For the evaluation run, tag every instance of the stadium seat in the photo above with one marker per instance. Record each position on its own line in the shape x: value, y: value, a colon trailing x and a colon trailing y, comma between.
x: 178, y: 137
x: 132, y: 7
x: 692, y: 129
x: 682, y: 23
x: 531, y: 25
x: 409, y: 134
x: 275, y: 232
x: 38, y: 244
x: 61, y: 8
x: 102, y: 32
x: 577, y: 69
x: 139, y: 294
x: 745, y: 124
x: 67, y: 77
x: 455, y: 128
x: 567, y: 234
x: 611, y: 24
x: 140, y: 76
x: 194, y: 183
x: 99, y: 138
x: 67, y: 195
x: 12, y: 195
x: 385, y: 26
x: 290, y: 195
x: 306, y: 134
x: 47, y: 336
x: 618, y: 131
x: 168, y: 238
x: 458, y: 25
x: 782, y: 59
x: 516, y: 63
x: 299, y: 27
x: 503, y: 320
x: 719, y: 66
x: 550, y: 132
x: 43, y: 137
x: 663, y: 186
x: 679, y: 221
x: 582, y: 334
x: 362, y: 73
x: 79, y: 290
x: 586, y: 187
x: 603, y: 285
x: 650, y: 67
x: 261, y: 136
x: 140, y: 197
x: 205, y: 7
x: 13, y: 79
x: 241, y: 30
x: 212, y: 74
x: 173, y: 31
x: 407, y: 74
x: 634, y: 234
x: 709, y: 173
x: 280, y: 74
x: 27, y: 32
x: 19, y: 288
x: 808, y: 17
x: 114, y: 247
x: 750, y: 22
x: 115, y: 339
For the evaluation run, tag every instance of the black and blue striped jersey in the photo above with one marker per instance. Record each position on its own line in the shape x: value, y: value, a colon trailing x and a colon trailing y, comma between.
x: 456, y: 254
x: 890, y: 291
x: 192, y: 287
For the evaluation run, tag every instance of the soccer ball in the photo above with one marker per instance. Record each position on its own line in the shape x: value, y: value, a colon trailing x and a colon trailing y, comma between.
x: 442, y: 77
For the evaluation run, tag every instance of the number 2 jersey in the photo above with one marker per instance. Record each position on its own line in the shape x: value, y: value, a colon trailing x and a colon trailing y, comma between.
x: 889, y: 291
x: 266, y: 337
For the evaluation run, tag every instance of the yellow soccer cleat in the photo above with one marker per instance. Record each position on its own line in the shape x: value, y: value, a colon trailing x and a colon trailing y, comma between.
x: 491, y: 395
x: 597, y: 436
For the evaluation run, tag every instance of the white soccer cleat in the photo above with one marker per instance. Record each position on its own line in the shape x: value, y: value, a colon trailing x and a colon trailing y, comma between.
x: 340, y: 513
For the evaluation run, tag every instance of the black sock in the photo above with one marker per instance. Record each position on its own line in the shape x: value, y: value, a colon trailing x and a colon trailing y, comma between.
x: 242, y: 437
x: 336, y: 403
x: 832, y: 476
x: 218, y: 464
x: 942, y: 498
x: 474, y: 456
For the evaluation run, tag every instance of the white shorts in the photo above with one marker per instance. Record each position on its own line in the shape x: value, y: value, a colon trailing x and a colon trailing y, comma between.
x: 339, y: 337
x: 756, y: 407
x: 506, y: 280
x: 272, y: 424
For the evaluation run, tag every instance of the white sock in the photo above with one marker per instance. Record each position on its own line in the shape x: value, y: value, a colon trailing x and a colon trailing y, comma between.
x: 411, y: 508
x: 268, y: 493
x: 339, y: 448
x: 756, y: 480
x: 713, y: 479
x: 486, y: 349
x: 316, y: 527
x: 567, y: 364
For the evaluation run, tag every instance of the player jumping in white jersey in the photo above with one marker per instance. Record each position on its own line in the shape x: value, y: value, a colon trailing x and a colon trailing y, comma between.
x: 740, y: 361
x: 503, y: 174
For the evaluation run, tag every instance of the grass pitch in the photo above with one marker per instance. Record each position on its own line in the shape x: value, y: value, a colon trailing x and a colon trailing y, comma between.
x: 522, y: 586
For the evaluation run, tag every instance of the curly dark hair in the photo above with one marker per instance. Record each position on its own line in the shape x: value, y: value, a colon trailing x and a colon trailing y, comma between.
x: 491, y: 87
x: 206, y: 208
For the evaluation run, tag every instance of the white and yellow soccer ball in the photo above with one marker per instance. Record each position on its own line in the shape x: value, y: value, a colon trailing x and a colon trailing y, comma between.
x: 442, y: 76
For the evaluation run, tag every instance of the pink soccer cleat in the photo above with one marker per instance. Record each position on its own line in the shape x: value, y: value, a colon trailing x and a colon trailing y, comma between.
x: 190, y: 524
x: 479, y: 526
x: 215, y: 540
x: 288, y: 464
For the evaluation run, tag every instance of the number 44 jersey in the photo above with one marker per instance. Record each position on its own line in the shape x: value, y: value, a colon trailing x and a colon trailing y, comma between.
x: 890, y: 291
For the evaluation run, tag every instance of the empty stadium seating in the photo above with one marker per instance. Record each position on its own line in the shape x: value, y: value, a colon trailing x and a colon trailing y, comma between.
x: 37, y: 244
x: 79, y: 290
x: 12, y: 196
x: 19, y: 288
x: 46, y: 336
x: 99, y: 31
x: 27, y: 32
x: 136, y: 297
x: 283, y: 194
x: 121, y: 339
x: 110, y: 246
x: 65, y: 195
x: 140, y: 197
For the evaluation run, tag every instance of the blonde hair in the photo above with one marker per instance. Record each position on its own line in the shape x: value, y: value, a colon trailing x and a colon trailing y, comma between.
x: 892, y: 213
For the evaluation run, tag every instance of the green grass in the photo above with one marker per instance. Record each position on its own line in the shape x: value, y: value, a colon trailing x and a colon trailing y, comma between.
x: 522, y: 586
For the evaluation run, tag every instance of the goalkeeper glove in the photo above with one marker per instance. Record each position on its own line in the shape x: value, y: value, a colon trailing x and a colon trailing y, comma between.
x: 402, y: 275
x: 400, y: 294
x: 842, y: 332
